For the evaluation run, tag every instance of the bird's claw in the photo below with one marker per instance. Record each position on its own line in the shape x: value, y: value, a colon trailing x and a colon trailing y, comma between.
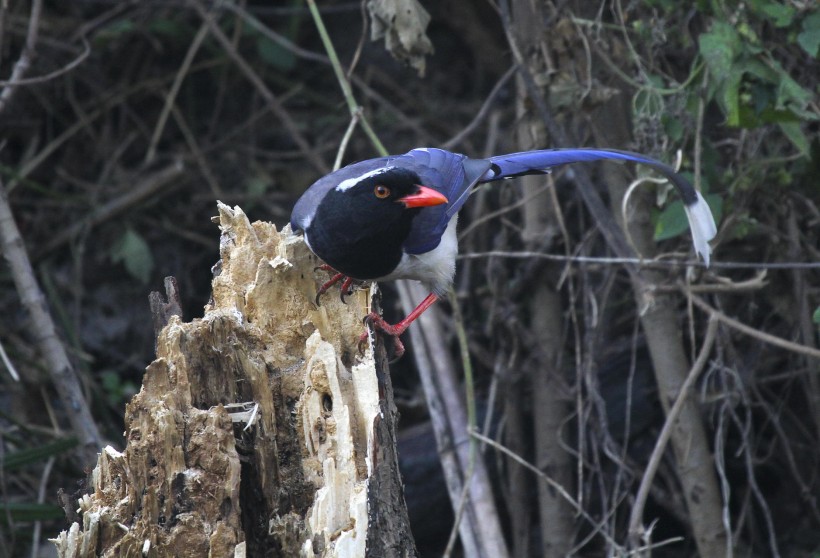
x: 346, y: 288
x: 372, y: 319
x: 326, y: 286
x: 378, y: 324
x: 363, y: 339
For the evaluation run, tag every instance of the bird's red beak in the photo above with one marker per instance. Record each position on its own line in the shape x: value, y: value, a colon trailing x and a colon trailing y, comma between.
x: 425, y: 197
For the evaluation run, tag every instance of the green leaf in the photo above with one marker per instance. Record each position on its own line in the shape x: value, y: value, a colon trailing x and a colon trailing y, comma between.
x: 118, y: 27
x: 28, y: 456
x: 115, y: 388
x: 720, y: 48
x: 672, y: 220
x: 275, y: 55
x: 809, y: 37
x: 795, y: 134
x: 134, y: 253
x: 673, y: 128
x: 731, y: 98
x: 790, y: 93
x: 816, y: 317
x: 114, y: 30
x: 29, y: 512
x: 780, y: 14
x: 170, y: 28
x: 257, y: 186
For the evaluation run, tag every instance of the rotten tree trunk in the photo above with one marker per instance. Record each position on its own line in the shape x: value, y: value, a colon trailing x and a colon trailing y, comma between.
x: 259, y: 430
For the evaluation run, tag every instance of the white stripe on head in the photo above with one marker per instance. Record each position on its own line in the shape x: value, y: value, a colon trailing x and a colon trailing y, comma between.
x: 345, y: 185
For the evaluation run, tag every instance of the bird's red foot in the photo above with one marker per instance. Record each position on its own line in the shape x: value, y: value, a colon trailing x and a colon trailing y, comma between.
x: 345, y: 289
x: 394, y: 331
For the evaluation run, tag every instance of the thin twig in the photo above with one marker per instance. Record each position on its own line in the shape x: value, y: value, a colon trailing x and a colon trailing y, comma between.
x: 44, y: 331
x: 300, y: 52
x: 546, y: 478
x: 146, y: 187
x: 524, y: 200
x: 340, y: 153
x: 472, y: 421
x: 276, y: 107
x: 8, y: 364
x: 41, y: 498
x: 766, y: 337
x: 26, y: 56
x: 56, y: 73
x: 603, y: 219
x: 482, y: 112
x: 282, y: 41
x: 628, y: 195
x: 480, y: 531
x: 653, y: 262
x: 758, y: 281
x: 170, y: 98
x: 636, y: 529
x: 196, y: 151
x: 31, y: 165
x: 342, y: 79
x: 751, y: 466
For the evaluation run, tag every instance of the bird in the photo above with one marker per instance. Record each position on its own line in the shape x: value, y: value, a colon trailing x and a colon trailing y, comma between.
x: 395, y: 217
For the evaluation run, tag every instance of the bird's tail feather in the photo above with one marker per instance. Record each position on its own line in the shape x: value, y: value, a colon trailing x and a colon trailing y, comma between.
x: 700, y: 217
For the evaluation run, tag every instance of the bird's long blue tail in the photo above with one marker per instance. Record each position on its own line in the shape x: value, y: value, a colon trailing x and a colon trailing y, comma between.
x: 700, y: 216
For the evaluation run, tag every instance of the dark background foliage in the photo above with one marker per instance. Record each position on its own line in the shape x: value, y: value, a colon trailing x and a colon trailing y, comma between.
x: 133, y: 100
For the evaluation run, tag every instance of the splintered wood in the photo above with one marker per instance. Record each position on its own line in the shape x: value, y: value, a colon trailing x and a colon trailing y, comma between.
x: 255, y: 431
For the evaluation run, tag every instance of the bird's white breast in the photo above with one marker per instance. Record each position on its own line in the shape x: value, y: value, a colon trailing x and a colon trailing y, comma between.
x: 436, y: 268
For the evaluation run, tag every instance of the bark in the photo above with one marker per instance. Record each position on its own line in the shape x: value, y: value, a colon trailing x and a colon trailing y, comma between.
x: 551, y: 400
x: 519, y: 481
x: 663, y: 330
x: 258, y: 430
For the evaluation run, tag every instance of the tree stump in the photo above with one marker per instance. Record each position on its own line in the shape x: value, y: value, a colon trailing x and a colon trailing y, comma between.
x: 259, y: 430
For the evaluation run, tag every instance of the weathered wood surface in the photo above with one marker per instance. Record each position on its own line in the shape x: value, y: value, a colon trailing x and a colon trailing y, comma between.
x: 259, y: 429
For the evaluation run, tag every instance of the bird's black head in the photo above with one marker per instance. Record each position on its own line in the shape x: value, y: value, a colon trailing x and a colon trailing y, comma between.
x: 359, y: 226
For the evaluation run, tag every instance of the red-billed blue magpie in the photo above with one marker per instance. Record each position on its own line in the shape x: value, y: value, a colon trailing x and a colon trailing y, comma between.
x: 395, y: 217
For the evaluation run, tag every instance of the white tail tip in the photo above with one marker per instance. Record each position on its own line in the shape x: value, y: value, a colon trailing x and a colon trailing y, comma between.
x: 703, y: 227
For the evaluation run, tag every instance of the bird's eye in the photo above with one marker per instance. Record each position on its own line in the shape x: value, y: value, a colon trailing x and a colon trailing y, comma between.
x: 381, y: 192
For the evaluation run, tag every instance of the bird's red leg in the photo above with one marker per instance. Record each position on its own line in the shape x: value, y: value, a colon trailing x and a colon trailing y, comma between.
x: 378, y: 323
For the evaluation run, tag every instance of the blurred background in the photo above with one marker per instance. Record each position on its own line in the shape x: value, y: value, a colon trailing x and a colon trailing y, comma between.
x: 138, y: 116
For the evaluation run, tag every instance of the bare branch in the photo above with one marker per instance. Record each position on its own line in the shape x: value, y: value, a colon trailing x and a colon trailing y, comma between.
x: 44, y: 332
x: 636, y: 529
x: 26, y: 56
x: 276, y: 107
x: 56, y: 73
x: 763, y: 336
